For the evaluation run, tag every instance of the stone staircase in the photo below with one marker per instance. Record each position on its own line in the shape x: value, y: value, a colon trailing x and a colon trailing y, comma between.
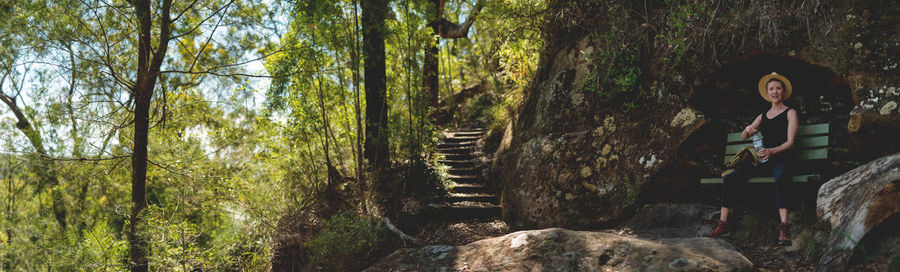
x: 470, y: 197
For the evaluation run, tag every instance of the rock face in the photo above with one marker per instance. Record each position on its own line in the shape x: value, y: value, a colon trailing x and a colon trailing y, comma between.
x: 854, y: 204
x: 603, y: 123
x: 558, y: 249
x: 661, y: 220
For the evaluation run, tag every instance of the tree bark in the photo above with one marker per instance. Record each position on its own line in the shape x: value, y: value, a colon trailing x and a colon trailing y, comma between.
x: 325, y: 125
x: 446, y: 30
x: 430, y: 63
x: 149, y: 62
x: 855, y: 204
x: 376, y: 142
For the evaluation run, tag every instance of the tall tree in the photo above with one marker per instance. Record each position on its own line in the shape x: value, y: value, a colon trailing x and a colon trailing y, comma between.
x: 105, y: 34
x: 443, y: 29
x: 148, y: 68
x: 376, y: 149
x: 125, y: 57
x: 354, y: 59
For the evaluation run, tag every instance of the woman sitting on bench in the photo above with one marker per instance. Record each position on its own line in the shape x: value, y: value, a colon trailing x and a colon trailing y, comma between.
x: 778, y: 127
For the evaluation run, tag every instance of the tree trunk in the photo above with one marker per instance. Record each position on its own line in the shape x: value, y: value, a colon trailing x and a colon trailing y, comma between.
x: 856, y: 203
x: 355, y: 58
x: 325, y: 125
x: 148, y: 66
x: 446, y: 30
x: 376, y: 143
x: 430, y: 63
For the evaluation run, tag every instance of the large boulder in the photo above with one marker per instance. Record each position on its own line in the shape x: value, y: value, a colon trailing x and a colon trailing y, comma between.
x: 856, y: 203
x: 664, y: 220
x: 629, y: 109
x: 566, y: 161
x: 558, y: 249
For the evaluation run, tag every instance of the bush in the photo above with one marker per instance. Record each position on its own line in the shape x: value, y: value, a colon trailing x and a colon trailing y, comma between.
x: 348, y: 242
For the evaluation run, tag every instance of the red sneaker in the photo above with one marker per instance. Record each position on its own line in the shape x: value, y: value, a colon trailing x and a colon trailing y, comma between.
x: 721, y: 227
x: 784, y: 234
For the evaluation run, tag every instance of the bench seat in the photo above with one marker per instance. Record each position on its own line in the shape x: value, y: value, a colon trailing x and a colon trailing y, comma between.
x: 800, y: 178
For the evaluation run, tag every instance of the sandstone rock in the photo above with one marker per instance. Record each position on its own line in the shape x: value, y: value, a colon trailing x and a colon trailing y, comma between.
x: 854, y: 204
x: 673, y: 220
x: 558, y: 249
x: 553, y: 167
x: 561, y: 165
x: 874, y: 124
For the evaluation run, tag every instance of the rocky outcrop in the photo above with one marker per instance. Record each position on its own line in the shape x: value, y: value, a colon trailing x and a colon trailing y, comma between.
x: 623, y: 105
x: 558, y: 249
x: 875, y: 123
x: 854, y: 204
x: 662, y: 220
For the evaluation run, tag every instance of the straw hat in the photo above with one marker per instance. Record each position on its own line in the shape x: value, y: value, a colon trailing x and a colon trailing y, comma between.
x: 765, y: 80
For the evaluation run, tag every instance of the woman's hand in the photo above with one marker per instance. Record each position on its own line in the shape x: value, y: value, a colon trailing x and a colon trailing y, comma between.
x: 748, y: 131
x: 764, y: 154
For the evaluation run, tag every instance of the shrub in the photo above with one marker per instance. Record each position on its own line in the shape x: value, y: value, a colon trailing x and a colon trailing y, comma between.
x: 348, y: 242
x: 615, y: 69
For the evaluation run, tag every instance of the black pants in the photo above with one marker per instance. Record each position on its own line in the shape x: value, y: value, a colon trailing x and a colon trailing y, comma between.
x: 778, y: 169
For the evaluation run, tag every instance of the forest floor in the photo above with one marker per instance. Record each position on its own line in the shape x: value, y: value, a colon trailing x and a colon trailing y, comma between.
x: 769, y: 258
x: 463, y: 232
x: 765, y: 257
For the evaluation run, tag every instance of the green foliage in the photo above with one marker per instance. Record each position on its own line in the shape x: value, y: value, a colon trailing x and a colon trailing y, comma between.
x: 895, y: 264
x: 615, y: 68
x: 101, y: 249
x: 347, y: 242
x: 631, y: 191
x: 503, y: 112
x: 222, y: 169
x: 681, y: 27
x: 856, y: 245
x: 427, y: 183
x: 506, y: 49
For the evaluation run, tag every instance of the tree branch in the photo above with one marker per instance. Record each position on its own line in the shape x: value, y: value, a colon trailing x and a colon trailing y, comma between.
x: 450, y: 30
x: 211, y: 33
x: 201, y: 22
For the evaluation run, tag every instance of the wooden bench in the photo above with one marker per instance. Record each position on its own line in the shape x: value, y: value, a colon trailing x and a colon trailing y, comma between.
x: 809, y: 152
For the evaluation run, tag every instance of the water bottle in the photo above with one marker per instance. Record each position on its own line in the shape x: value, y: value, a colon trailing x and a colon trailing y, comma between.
x: 758, y: 144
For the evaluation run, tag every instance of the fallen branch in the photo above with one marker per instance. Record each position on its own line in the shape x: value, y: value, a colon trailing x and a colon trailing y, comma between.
x: 403, y: 236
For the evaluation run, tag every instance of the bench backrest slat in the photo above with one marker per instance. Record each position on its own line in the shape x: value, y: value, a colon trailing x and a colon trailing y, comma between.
x: 804, y: 142
x: 811, y: 143
x: 805, y: 130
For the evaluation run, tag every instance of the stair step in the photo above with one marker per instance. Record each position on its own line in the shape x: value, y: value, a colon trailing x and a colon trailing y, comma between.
x: 456, y: 139
x: 470, y: 129
x: 464, y: 133
x: 463, y: 171
x: 460, y: 212
x: 451, y: 156
x: 470, y: 188
x: 456, y: 144
x: 458, y: 163
x: 456, y: 150
x: 465, y: 179
x: 475, y: 197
